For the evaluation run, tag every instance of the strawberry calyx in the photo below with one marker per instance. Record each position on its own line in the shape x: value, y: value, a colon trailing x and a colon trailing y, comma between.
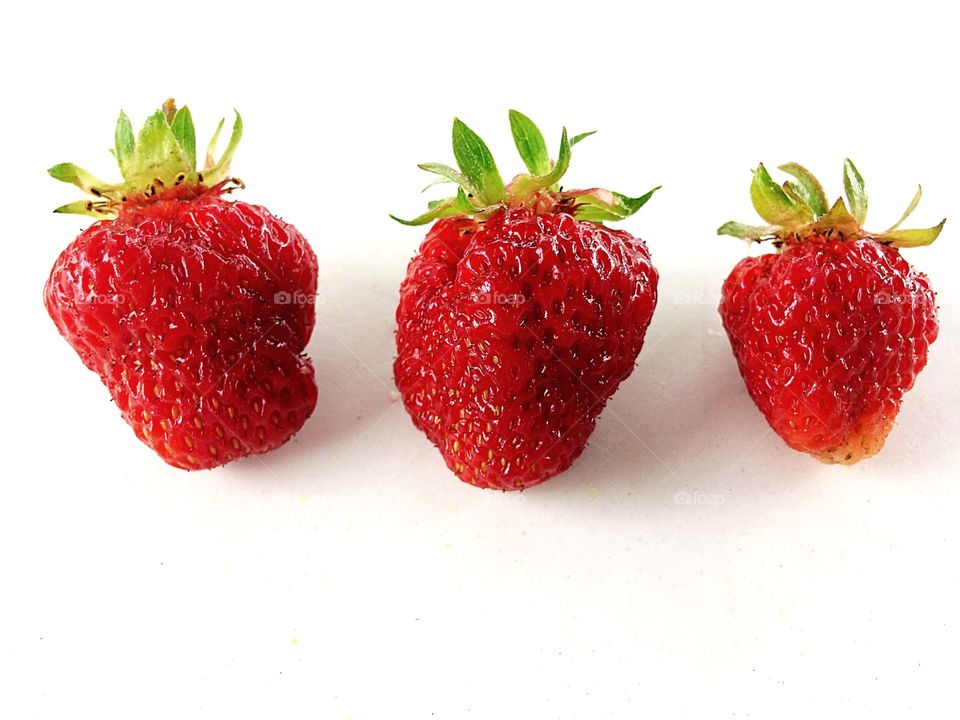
x: 798, y: 209
x: 160, y: 161
x: 481, y: 191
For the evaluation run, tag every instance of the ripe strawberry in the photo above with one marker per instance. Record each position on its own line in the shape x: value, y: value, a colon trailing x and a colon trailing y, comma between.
x: 193, y: 310
x: 831, y: 330
x: 521, y: 314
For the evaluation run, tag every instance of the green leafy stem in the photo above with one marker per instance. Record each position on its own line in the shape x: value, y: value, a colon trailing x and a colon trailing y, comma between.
x: 799, y: 207
x: 481, y: 190
x: 163, y: 154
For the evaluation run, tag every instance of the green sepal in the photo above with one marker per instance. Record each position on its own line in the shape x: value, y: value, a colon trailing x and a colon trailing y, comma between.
x: 477, y: 164
x: 595, y: 214
x: 124, y: 143
x: 633, y: 204
x: 808, y: 188
x: 605, y: 206
x: 839, y: 219
x: 525, y: 185
x: 212, y: 174
x: 186, y: 135
x: 755, y: 233
x: 432, y: 214
x: 530, y: 143
x: 855, y: 190
x: 436, y: 181
x: 795, y: 193
x: 773, y: 204
x: 208, y: 161
x: 450, y: 175
x: 581, y: 136
x: 461, y: 203
x: 910, y: 208
x: 913, y: 238
x: 158, y: 154
x: 92, y: 208
x: 70, y: 173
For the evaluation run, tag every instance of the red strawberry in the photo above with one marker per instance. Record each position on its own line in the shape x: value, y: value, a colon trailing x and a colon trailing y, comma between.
x: 831, y: 330
x: 521, y: 314
x: 194, y: 311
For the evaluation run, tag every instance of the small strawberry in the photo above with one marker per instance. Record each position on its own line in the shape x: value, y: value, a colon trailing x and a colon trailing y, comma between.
x: 194, y: 311
x: 832, y: 329
x: 521, y: 314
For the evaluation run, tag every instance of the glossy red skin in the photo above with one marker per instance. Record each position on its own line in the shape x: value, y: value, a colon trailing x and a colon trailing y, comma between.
x: 178, y: 306
x: 513, y: 334
x: 829, y: 335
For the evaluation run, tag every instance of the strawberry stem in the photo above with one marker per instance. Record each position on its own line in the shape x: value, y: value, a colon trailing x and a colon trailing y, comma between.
x: 799, y: 209
x: 481, y: 190
x: 163, y: 154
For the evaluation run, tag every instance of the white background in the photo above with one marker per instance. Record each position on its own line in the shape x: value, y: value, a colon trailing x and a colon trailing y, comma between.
x: 350, y: 574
